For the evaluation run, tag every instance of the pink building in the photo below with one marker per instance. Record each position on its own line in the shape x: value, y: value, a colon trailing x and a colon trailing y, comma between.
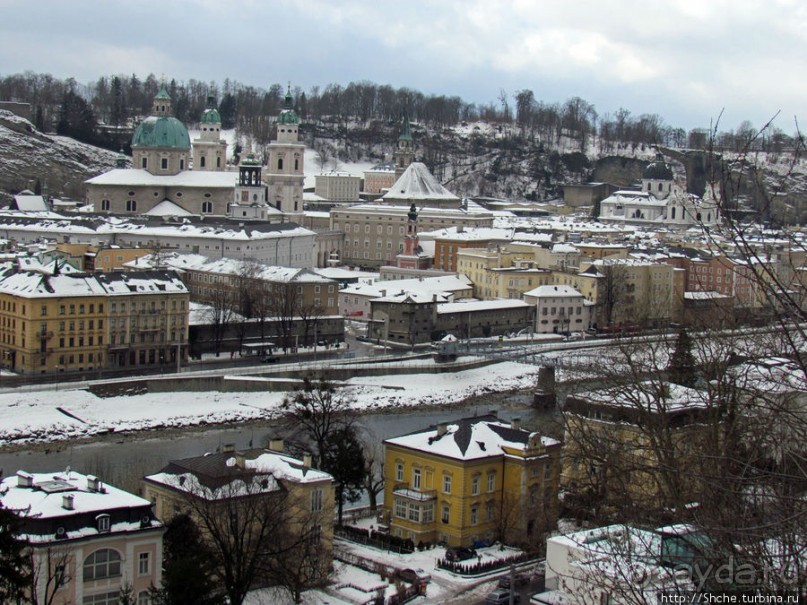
x: 88, y: 540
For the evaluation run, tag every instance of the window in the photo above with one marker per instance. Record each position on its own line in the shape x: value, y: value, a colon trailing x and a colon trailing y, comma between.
x: 474, y: 515
x: 447, y: 484
x: 280, y: 163
x: 399, y: 472
x: 164, y: 163
x: 316, y: 500
x: 416, y: 478
x: 414, y: 513
x: 446, y: 513
x: 400, y: 508
x: 143, y: 564
x: 491, y: 481
x: 143, y: 598
x: 202, y: 162
x: 104, y: 563
x: 131, y: 206
x: 144, y: 163
x: 475, y: 486
x: 207, y: 207
x: 103, y: 521
x: 105, y: 598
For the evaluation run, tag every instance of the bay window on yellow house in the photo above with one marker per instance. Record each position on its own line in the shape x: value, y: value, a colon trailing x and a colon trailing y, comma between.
x: 472, y: 480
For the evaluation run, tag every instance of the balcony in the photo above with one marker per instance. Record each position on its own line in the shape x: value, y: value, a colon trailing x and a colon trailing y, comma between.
x: 404, y: 490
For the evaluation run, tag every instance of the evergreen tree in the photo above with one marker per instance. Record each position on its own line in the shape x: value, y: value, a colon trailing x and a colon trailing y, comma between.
x: 76, y: 119
x: 227, y: 109
x: 186, y: 556
x: 343, y: 457
x: 15, y: 568
x: 681, y: 368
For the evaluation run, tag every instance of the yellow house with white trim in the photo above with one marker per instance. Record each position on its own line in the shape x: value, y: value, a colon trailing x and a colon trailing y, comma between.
x: 476, y: 479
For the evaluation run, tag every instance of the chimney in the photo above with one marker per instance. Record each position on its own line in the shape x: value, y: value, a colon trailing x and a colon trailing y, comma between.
x: 306, y: 460
x: 442, y: 429
x: 240, y: 460
x: 515, y: 423
x: 24, y: 479
x: 383, y: 293
x: 228, y: 448
x: 276, y: 445
x: 67, y: 501
x: 92, y: 483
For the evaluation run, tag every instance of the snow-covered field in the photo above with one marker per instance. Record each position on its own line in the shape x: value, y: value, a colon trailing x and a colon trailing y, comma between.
x: 55, y: 415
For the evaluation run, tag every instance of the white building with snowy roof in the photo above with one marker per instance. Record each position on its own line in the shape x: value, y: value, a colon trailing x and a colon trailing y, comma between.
x: 559, y: 309
x: 661, y: 202
x: 471, y: 481
x: 354, y: 300
x: 89, y: 540
x: 286, y: 244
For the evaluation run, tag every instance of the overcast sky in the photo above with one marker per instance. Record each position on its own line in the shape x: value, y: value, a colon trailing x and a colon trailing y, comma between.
x: 686, y: 60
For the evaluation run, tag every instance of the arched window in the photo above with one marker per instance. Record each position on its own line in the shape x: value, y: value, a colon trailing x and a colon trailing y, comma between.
x: 104, y: 563
x: 131, y: 206
x: 672, y: 212
x: 144, y: 163
x: 202, y: 162
x: 218, y: 162
x: 104, y: 205
x: 207, y: 207
x: 280, y: 163
x: 660, y: 185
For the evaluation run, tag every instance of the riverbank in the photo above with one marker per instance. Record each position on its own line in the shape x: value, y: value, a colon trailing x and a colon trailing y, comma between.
x: 46, y: 419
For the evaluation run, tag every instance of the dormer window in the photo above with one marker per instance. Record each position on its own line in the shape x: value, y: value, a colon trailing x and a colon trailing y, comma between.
x: 102, y: 522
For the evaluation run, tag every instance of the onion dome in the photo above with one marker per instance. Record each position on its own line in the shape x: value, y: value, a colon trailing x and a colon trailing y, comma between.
x: 658, y: 170
x: 287, y: 114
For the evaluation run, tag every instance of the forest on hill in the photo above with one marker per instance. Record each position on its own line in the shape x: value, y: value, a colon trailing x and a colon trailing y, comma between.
x: 516, y: 147
x: 70, y: 107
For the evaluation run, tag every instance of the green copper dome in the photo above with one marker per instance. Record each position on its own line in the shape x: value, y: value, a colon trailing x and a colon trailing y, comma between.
x: 287, y: 114
x: 211, y: 116
x: 164, y: 131
x: 163, y: 94
x: 406, y: 130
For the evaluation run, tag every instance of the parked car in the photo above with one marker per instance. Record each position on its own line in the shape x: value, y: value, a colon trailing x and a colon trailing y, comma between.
x: 268, y: 359
x: 501, y: 596
x: 415, y: 575
x: 521, y: 580
x: 459, y: 553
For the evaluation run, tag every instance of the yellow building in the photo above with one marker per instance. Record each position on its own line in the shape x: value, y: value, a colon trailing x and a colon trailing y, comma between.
x: 636, y: 445
x: 84, y: 322
x: 475, y: 479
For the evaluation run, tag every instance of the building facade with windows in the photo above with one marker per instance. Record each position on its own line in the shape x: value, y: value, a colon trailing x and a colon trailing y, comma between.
x: 375, y: 234
x: 472, y: 480
x: 85, y: 322
x: 255, y: 481
x: 89, y: 541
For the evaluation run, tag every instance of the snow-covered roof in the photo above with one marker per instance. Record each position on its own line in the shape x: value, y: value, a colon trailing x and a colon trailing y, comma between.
x: 167, y: 208
x: 228, y: 474
x: 32, y: 284
x: 482, y: 305
x: 469, y: 234
x: 137, y: 177
x: 231, y: 266
x: 424, y: 286
x: 474, y: 438
x: 31, y: 203
x: 47, y: 495
x: 554, y: 292
x: 418, y: 184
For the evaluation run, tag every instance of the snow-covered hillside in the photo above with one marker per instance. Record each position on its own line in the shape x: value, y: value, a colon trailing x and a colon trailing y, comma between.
x: 63, y: 163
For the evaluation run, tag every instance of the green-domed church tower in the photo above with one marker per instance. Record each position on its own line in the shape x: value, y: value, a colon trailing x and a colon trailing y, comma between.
x: 284, y: 174
x: 161, y: 143
x: 209, y: 150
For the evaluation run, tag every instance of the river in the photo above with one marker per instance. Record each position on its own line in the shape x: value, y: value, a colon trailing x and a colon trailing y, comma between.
x: 122, y: 460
